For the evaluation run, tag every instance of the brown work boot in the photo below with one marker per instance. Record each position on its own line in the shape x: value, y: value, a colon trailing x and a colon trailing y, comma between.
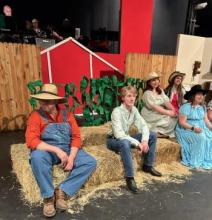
x: 61, y: 202
x: 48, y: 207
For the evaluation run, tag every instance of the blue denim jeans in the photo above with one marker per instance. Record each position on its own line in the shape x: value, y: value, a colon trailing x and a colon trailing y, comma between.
x: 124, y: 147
x: 42, y: 162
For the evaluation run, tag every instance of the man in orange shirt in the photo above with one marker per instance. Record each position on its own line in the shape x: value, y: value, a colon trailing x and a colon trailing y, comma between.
x: 54, y: 138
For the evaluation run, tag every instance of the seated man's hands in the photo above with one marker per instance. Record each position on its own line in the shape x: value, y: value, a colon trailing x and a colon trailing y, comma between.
x: 70, y: 163
x: 144, y: 147
x: 63, y: 157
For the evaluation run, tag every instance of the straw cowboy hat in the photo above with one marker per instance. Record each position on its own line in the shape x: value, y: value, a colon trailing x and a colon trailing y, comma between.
x: 152, y: 75
x: 48, y: 92
x: 194, y: 90
x: 174, y: 74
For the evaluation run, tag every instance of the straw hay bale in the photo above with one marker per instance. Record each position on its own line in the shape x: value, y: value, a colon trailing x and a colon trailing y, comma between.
x: 167, y: 151
x: 109, y: 164
x: 109, y: 168
x: 22, y: 169
x: 94, y: 135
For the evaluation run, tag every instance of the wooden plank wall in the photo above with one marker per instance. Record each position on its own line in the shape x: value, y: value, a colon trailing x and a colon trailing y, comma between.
x: 19, y: 64
x: 138, y: 65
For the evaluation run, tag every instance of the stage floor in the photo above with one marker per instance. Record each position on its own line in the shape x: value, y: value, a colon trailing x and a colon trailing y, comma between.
x: 191, y: 200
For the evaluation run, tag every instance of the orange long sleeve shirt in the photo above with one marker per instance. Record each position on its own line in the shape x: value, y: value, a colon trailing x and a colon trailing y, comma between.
x: 36, y: 125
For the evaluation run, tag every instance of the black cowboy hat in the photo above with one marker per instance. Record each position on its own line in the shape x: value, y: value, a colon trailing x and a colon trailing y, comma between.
x: 194, y: 90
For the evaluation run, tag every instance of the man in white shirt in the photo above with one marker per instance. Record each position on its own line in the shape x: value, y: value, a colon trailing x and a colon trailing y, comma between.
x: 120, y: 141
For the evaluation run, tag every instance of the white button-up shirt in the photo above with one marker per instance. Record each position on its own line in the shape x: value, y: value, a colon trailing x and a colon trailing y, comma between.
x: 122, y: 119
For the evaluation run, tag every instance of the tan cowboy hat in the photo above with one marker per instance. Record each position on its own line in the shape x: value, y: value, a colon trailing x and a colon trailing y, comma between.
x: 48, y: 92
x: 152, y: 75
x: 174, y: 74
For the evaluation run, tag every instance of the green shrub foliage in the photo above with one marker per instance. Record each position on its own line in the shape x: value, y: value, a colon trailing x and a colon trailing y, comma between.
x: 34, y: 88
x: 98, y: 97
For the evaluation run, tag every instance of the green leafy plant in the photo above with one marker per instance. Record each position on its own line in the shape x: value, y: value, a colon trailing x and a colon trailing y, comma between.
x: 98, y: 97
x: 34, y: 88
x: 103, y: 95
x: 86, y: 102
x: 70, y: 89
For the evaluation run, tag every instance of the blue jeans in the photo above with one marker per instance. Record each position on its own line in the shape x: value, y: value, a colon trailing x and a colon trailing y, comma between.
x: 42, y: 162
x: 124, y: 147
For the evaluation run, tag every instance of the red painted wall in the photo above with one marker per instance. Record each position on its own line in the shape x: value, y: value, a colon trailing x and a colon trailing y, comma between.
x: 136, y: 25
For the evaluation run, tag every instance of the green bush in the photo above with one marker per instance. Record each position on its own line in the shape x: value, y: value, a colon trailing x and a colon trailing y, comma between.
x: 98, y: 97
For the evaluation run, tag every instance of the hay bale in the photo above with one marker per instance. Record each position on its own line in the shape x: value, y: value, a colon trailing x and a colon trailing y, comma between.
x: 109, y: 169
x: 167, y: 151
x: 94, y: 135
x: 22, y: 169
x: 109, y: 164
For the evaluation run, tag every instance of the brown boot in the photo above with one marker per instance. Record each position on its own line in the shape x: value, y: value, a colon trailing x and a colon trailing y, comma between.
x: 60, y: 197
x: 48, y: 207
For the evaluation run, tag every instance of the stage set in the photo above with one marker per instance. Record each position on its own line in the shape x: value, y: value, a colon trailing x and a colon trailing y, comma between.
x: 144, y: 41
